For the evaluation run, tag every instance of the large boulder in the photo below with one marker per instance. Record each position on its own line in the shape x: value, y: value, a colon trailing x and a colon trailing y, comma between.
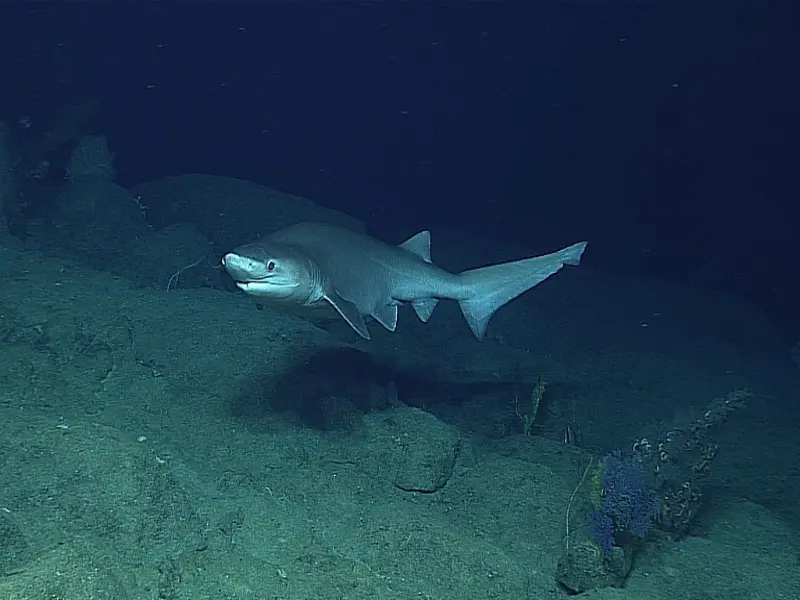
x: 95, y: 220
x: 228, y: 211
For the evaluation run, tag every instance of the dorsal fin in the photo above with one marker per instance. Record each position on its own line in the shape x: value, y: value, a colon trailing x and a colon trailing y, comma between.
x: 419, y: 244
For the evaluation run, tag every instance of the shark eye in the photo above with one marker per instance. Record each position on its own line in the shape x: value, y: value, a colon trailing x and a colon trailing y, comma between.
x: 271, y: 265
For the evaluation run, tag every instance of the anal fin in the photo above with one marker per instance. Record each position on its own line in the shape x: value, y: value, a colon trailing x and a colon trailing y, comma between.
x: 424, y: 308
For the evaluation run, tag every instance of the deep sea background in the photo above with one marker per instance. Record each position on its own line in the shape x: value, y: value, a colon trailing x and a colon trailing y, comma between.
x: 160, y: 438
x: 663, y: 132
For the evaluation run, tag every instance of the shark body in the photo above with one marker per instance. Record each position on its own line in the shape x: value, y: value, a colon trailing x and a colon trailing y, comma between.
x: 311, y: 264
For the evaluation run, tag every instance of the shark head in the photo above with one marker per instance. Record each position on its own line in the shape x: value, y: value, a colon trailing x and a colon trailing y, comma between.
x: 274, y: 272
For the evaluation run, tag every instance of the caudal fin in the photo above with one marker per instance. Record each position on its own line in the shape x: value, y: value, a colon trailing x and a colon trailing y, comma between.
x: 489, y: 288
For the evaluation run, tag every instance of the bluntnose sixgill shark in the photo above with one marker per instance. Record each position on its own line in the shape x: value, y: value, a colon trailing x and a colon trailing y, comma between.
x: 312, y: 264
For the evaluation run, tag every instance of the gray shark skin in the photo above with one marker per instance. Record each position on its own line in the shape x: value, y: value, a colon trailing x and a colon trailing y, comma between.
x: 312, y: 264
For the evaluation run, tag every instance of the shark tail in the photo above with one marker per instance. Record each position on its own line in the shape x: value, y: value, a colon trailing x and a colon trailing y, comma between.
x: 489, y: 288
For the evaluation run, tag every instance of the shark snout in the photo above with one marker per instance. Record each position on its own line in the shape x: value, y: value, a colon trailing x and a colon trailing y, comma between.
x: 244, y: 268
x: 260, y: 273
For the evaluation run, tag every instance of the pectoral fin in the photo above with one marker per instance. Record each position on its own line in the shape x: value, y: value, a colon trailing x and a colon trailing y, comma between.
x: 349, y: 313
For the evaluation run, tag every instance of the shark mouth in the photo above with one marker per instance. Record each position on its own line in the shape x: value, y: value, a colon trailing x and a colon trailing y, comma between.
x: 254, y: 287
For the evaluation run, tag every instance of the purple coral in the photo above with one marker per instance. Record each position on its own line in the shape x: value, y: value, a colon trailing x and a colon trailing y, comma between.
x: 629, y: 506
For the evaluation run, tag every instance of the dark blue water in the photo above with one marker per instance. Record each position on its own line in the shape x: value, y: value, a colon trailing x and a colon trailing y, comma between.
x: 664, y: 132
